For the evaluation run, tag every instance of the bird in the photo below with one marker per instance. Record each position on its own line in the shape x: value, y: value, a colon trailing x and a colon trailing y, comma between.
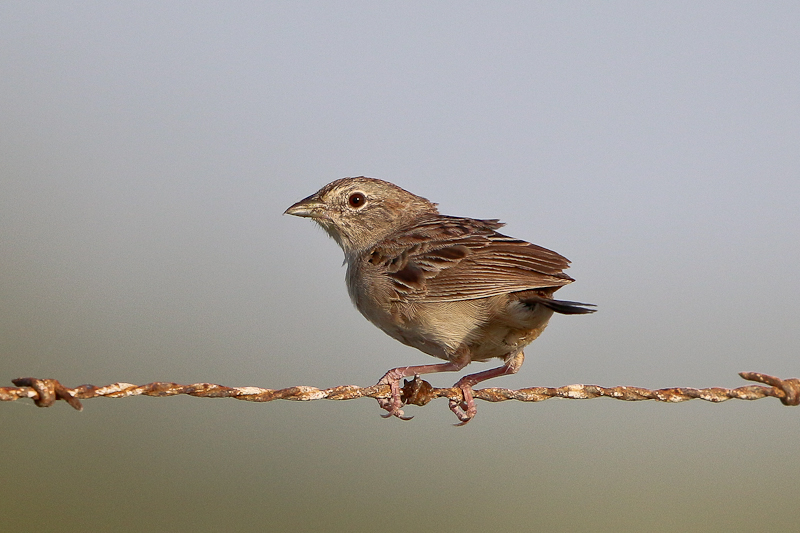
x: 452, y: 287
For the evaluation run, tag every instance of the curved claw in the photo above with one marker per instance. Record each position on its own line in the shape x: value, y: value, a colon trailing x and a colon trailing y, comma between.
x: 398, y: 413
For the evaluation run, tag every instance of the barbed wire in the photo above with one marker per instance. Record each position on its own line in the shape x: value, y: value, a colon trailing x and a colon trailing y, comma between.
x: 45, y: 392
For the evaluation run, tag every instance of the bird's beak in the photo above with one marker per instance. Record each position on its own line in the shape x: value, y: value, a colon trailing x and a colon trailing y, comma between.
x: 310, y: 207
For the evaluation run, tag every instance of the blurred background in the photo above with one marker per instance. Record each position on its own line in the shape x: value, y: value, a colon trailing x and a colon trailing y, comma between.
x: 149, y: 149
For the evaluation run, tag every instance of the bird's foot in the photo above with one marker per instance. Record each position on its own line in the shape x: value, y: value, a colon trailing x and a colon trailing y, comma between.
x: 465, y: 409
x: 392, y: 405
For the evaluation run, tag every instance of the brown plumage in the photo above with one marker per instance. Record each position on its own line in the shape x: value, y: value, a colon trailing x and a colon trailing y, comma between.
x: 451, y: 287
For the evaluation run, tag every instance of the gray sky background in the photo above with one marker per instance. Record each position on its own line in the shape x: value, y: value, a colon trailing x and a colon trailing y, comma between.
x: 148, y: 150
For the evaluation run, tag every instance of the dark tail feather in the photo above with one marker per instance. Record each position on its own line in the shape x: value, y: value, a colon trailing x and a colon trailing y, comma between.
x: 562, y: 306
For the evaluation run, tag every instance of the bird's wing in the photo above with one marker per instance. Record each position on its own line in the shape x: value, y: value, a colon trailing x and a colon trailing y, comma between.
x: 448, y: 259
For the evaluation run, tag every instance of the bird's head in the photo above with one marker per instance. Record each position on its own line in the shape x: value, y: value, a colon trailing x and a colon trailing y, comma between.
x: 360, y: 212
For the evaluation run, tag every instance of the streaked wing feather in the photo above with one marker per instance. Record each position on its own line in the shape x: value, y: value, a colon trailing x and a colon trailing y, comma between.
x: 451, y: 259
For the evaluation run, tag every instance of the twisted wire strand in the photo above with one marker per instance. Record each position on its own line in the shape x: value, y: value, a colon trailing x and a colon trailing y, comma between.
x: 45, y: 392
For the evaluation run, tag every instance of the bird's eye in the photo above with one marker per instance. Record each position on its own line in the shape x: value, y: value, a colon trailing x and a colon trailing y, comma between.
x: 357, y: 200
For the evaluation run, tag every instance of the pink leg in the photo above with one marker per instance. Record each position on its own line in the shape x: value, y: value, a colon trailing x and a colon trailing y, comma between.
x: 393, y: 377
x: 466, y: 409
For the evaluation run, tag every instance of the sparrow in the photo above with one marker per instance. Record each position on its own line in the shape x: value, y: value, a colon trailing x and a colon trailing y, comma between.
x: 452, y: 287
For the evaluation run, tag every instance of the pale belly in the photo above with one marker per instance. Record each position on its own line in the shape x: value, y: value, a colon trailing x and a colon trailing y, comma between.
x: 488, y: 328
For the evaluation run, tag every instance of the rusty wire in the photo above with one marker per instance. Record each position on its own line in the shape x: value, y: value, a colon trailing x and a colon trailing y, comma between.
x: 45, y: 392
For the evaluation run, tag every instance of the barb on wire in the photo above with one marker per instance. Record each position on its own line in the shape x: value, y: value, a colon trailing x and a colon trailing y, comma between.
x: 45, y: 392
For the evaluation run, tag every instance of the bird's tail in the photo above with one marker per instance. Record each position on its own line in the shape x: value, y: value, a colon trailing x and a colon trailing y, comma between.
x: 562, y: 306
